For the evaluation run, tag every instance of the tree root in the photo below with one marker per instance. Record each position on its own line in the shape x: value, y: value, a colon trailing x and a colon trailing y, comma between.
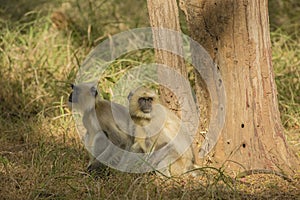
x: 263, y: 171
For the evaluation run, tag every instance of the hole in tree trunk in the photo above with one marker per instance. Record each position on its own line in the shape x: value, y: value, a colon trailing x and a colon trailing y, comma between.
x: 220, y: 82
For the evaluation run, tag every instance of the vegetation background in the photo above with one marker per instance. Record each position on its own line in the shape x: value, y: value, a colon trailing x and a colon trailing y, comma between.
x: 43, y: 43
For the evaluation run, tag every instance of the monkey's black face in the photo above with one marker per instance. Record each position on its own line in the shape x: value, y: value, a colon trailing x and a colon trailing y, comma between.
x: 73, y: 97
x: 145, y: 104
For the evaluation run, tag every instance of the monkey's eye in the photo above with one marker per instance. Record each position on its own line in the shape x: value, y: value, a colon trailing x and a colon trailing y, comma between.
x: 72, y: 86
x: 144, y: 100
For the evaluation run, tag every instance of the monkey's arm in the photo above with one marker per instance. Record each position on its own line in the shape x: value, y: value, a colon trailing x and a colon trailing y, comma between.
x: 113, y: 119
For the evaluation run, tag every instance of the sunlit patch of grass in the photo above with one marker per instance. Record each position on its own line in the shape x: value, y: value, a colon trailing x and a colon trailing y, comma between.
x: 286, y: 61
x: 285, y: 14
x: 35, y: 62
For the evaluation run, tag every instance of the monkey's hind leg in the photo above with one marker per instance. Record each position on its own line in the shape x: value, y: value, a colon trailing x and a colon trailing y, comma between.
x: 97, y: 145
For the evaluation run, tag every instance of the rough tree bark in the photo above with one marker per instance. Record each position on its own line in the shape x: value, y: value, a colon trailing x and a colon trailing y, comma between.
x: 164, y: 14
x: 236, y: 35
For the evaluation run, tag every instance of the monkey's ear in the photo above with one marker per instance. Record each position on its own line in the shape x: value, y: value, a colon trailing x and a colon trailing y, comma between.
x: 130, y: 95
x: 94, y: 91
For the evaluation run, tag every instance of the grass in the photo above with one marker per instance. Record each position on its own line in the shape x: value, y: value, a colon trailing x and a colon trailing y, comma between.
x: 41, y: 155
x: 284, y: 18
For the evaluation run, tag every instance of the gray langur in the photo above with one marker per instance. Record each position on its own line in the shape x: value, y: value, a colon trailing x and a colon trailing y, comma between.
x: 103, y: 120
x: 155, y: 127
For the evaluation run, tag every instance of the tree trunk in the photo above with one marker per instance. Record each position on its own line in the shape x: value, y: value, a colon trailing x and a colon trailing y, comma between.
x: 236, y: 35
x: 164, y: 14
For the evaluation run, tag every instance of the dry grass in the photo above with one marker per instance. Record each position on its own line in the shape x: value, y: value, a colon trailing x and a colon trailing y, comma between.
x: 286, y: 60
x: 41, y: 155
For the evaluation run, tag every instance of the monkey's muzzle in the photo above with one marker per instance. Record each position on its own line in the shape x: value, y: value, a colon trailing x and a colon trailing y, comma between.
x: 147, y: 110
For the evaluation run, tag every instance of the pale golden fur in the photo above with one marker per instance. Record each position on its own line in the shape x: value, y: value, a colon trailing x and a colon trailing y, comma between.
x: 156, y: 129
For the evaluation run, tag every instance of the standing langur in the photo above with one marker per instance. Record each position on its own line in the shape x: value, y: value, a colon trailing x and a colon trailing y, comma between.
x: 156, y: 126
x: 100, y: 122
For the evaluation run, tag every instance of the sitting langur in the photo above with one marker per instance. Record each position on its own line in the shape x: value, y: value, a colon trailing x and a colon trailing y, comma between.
x: 156, y: 126
x: 100, y: 122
